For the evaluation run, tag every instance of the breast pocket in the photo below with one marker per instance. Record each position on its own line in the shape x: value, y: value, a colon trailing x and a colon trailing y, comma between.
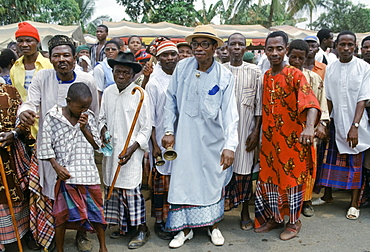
x: 248, y: 97
x: 211, y: 105
x: 354, y: 83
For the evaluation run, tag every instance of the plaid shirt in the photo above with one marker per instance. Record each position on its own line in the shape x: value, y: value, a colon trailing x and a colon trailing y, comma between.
x: 67, y: 144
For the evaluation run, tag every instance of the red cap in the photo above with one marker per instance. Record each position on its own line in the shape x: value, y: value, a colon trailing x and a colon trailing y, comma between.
x: 26, y: 29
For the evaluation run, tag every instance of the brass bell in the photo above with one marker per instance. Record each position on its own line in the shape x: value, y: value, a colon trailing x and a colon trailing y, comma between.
x: 170, y: 154
x: 159, y: 161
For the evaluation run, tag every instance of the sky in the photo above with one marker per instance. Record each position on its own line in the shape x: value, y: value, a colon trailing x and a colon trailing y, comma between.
x: 117, y: 12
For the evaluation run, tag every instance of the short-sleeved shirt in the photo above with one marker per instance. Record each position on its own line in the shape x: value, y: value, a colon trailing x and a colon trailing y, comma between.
x: 68, y: 145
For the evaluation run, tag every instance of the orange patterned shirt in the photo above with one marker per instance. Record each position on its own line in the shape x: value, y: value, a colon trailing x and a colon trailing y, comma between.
x: 286, y: 98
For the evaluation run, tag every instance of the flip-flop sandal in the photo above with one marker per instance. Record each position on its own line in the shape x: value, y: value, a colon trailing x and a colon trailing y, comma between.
x: 246, y: 225
x: 353, y: 213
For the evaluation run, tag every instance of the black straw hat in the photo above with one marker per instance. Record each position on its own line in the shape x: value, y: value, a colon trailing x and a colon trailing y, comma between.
x: 125, y: 59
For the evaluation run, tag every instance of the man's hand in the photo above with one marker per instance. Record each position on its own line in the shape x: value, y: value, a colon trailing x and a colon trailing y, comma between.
x: 352, y: 137
x: 168, y: 141
x: 102, y: 137
x: 28, y: 118
x: 320, y: 131
x: 6, y: 139
x: 156, y: 151
x: 307, y: 135
x: 123, y: 159
x: 227, y: 158
x: 252, y: 141
x: 148, y: 69
x: 83, y: 120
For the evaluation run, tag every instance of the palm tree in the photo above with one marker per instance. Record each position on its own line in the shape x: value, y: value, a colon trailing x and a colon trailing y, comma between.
x: 205, y: 16
x: 295, y: 6
x: 235, y: 11
x: 87, y: 8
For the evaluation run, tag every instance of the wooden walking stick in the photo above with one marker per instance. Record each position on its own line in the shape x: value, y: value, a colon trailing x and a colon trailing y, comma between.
x: 123, y: 152
x: 10, y: 204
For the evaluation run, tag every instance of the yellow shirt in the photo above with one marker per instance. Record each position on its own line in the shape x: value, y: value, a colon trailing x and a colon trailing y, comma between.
x: 18, y: 74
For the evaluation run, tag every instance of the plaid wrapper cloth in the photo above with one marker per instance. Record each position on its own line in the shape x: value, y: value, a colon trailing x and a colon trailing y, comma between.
x: 41, y: 207
x: 79, y: 205
x: 160, y: 205
x: 22, y: 162
x: 274, y: 202
x: 238, y: 190
x: 125, y: 207
x: 343, y: 171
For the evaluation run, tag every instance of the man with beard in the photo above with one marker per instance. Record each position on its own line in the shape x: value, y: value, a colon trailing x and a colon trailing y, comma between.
x: 201, y: 113
x: 347, y: 91
x: 248, y: 92
x: 168, y: 57
x: 97, y: 52
x: 48, y: 88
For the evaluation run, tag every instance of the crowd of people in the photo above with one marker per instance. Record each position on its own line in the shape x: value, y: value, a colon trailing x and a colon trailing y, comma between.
x: 294, y: 122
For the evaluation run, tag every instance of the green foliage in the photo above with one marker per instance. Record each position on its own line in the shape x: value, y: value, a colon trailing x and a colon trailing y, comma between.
x: 344, y: 15
x: 178, y: 12
x: 13, y: 11
x: 174, y: 11
x: 205, y: 16
x: 62, y: 12
x: 87, y: 8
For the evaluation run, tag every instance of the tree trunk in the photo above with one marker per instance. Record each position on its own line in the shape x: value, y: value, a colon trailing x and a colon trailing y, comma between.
x: 269, y: 24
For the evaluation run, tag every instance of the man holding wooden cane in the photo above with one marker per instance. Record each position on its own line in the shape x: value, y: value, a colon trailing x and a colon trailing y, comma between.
x: 118, y: 109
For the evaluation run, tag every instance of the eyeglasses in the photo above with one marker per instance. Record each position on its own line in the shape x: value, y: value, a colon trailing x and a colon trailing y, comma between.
x: 204, y: 44
x: 107, y: 49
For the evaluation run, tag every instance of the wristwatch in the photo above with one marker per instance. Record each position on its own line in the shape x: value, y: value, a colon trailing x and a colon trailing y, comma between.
x: 168, y: 133
x: 356, y: 125
x: 323, y: 123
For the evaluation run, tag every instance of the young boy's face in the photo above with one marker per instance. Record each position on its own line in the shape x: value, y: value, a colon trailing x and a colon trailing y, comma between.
x: 275, y: 50
x: 297, y: 58
x: 79, y: 106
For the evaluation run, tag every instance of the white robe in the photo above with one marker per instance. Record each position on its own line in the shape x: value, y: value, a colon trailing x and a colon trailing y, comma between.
x: 203, y: 104
x: 117, y: 113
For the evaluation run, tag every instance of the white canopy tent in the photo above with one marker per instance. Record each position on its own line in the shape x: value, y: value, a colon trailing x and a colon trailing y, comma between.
x: 46, y: 31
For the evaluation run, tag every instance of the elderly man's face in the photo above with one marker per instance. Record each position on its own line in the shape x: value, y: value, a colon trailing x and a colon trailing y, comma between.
x: 62, y: 59
x: 203, y: 49
x: 123, y: 76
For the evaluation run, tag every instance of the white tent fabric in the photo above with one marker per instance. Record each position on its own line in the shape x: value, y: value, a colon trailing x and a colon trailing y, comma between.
x: 46, y: 31
x: 127, y: 29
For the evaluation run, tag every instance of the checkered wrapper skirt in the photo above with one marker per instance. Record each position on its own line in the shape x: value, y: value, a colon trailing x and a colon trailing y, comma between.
x: 342, y: 171
x: 274, y: 202
x: 78, y: 205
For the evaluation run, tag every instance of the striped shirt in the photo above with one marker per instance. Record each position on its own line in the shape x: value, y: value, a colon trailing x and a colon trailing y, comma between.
x: 248, y: 92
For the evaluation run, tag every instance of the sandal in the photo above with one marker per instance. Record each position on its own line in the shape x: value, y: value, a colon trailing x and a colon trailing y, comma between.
x: 353, y: 213
x: 246, y: 225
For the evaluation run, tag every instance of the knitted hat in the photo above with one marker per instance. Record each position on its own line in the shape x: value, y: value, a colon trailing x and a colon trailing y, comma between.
x: 58, y: 40
x: 82, y: 47
x: 142, y: 56
x: 166, y: 46
x: 26, y: 29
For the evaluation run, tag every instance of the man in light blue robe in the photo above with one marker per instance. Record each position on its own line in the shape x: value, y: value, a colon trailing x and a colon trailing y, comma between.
x: 201, y: 114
